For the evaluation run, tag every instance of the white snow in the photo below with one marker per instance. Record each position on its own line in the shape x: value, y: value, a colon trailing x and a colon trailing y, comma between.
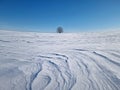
x: 52, y: 61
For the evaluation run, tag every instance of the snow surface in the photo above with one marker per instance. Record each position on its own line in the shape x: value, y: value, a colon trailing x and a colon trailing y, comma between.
x: 68, y: 61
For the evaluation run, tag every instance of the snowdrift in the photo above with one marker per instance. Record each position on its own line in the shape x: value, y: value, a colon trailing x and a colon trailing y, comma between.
x: 52, y: 61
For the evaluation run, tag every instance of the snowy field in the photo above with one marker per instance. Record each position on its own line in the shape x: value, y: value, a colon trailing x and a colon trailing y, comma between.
x: 51, y: 61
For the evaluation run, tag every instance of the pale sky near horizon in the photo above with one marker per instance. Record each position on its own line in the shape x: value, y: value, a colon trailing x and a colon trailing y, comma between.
x: 47, y: 15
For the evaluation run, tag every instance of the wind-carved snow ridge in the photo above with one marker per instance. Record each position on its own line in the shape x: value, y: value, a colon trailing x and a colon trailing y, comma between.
x: 38, y: 61
x: 33, y: 77
x: 111, y: 81
x: 56, y: 65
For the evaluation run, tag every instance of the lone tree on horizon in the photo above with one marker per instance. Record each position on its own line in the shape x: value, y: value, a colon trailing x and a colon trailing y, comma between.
x: 59, y: 30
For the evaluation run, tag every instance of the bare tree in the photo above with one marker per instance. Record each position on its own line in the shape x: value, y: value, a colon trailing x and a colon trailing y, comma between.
x: 59, y: 30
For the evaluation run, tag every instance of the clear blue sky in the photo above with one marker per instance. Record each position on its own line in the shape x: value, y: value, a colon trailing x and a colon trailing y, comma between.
x: 47, y: 15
